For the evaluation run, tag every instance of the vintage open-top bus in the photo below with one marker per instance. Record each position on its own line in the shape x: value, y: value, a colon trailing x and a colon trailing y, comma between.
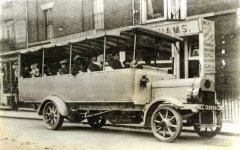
x: 144, y: 90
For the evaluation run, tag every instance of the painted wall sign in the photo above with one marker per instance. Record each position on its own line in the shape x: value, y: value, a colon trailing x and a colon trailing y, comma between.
x: 20, y: 31
x: 182, y: 28
x: 209, y: 47
x: 73, y: 36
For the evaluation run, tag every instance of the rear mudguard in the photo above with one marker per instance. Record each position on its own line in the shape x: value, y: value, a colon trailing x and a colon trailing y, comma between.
x: 59, y: 101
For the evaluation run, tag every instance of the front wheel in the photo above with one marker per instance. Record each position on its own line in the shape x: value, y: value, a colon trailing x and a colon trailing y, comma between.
x: 52, y: 117
x: 209, y: 132
x: 166, y: 123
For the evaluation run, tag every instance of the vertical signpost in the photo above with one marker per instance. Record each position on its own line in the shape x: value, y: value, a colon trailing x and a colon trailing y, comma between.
x: 208, y: 49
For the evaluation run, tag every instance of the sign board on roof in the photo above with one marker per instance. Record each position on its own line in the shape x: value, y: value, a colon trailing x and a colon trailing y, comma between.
x: 73, y: 36
x: 189, y: 27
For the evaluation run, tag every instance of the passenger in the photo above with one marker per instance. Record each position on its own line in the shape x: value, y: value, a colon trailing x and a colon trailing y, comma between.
x: 115, y: 63
x: 26, y: 72
x: 147, y: 57
x: 127, y: 63
x: 94, y: 65
x: 63, y: 69
x: 15, y: 69
x: 48, y: 71
x: 77, y: 65
x: 35, y: 72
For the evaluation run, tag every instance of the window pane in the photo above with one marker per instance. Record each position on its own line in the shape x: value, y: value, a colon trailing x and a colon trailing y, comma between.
x: 155, y: 9
x: 98, y: 14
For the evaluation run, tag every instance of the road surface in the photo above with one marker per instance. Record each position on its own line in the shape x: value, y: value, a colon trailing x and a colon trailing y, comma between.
x: 26, y: 134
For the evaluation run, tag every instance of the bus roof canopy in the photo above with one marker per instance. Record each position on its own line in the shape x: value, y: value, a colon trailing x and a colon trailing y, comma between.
x: 95, y: 42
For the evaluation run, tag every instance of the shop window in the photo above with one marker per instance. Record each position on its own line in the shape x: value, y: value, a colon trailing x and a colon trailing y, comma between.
x: 98, y: 14
x: 152, y: 10
x: 193, y: 47
x: 8, y: 30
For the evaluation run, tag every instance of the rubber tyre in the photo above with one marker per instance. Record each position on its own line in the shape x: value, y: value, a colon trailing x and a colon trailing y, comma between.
x: 52, y: 117
x: 167, y: 127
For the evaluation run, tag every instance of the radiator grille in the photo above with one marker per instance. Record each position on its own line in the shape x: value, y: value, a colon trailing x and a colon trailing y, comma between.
x: 208, y: 98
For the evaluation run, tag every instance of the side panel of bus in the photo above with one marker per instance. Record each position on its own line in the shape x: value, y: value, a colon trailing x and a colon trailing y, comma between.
x: 106, y: 86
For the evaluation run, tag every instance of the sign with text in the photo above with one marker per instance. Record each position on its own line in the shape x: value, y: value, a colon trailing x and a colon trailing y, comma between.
x: 73, y: 36
x: 20, y: 31
x: 209, y: 47
x: 182, y: 28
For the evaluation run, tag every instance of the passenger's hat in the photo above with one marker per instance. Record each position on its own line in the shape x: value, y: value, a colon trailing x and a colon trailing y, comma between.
x: 114, y: 53
x: 76, y: 57
x: 65, y: 61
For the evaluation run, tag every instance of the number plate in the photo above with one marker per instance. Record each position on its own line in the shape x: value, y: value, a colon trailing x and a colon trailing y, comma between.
x: 209, y: 107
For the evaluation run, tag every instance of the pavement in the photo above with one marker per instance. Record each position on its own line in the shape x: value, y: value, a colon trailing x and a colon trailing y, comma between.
x: 229, y: 128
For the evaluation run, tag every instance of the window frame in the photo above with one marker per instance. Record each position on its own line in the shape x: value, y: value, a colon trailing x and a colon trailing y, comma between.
x: 49, y: 34
x: 98, y: 11
x: 143, y: 12
x: 190, y: 50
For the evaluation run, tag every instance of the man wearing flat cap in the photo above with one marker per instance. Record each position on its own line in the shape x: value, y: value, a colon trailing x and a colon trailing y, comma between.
x: 63, y: 69
x: 77, y: 65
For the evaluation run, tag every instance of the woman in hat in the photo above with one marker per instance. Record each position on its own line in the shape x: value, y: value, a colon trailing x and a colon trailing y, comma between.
x: 63, y: 69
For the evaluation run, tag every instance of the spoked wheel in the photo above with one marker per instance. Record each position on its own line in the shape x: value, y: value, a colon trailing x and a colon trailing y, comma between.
x: 52, y: 117
x: 96, y: 121
x: 166, y: 123
x: 209, y: 132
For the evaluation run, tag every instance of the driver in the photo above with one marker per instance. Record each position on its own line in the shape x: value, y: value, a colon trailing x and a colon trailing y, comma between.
x: 115, y: 62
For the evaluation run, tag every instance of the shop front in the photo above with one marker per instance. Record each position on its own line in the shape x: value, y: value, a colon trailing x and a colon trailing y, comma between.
x: 8, y: 78
x: 197, y: 52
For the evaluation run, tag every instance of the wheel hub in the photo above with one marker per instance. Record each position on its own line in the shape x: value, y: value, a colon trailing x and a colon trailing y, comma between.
x: 165, y: 123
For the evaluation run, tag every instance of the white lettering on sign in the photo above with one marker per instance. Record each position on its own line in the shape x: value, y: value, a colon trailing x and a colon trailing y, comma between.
x: 183, y: 28
x: 73, y: 36
x: 20, y: 31
x: 209, y: 47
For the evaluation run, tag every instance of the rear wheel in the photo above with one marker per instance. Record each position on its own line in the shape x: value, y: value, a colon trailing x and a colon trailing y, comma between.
x: 52, y: 117
x: 96, y: 121
x: 166, y: 123
x: 209, y: 132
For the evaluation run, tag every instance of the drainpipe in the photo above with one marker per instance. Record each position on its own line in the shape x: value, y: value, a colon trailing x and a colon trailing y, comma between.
x: 133, y: 13
x: 37, y: 20
x: 82, y: 17
x: 26, y: 15
x: 1, y: 82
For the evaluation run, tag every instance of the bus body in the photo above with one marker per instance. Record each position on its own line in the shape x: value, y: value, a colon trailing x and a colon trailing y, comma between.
x: 103, y: 86
x: 147, y: 95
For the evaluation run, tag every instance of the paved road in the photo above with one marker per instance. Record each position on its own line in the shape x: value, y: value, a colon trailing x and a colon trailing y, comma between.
x: 28, y: 134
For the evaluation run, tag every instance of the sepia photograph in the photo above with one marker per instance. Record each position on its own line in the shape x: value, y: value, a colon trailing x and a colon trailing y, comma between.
x: 119, y: 74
